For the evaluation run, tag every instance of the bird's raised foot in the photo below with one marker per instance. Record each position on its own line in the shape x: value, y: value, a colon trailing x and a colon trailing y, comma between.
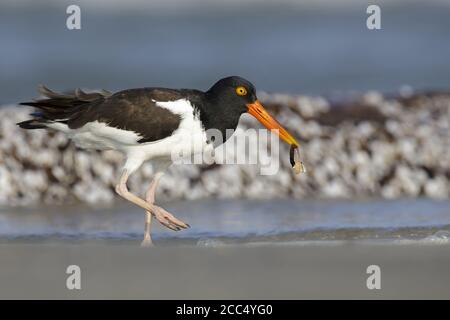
x: 169, y: 220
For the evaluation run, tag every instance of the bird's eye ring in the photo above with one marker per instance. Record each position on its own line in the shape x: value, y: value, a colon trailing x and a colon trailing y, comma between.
x: 241, y: 91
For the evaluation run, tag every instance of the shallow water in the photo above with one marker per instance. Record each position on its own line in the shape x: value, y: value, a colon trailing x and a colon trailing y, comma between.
x: 243, y: 222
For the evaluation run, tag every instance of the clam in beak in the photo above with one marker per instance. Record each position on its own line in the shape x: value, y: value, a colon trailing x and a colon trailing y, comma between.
x: 257, y: 110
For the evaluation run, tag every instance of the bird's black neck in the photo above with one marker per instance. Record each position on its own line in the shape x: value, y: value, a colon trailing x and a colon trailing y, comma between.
x: 214, y: 113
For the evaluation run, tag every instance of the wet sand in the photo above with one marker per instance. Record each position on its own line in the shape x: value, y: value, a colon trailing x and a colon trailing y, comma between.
x: 325, y: 270
x: 234, y: 250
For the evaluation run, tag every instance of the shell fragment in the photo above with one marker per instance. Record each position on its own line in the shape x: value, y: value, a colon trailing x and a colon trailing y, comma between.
x: 294, y: 157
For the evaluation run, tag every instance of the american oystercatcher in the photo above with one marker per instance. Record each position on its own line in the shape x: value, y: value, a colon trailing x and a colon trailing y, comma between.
x: 148, y: 124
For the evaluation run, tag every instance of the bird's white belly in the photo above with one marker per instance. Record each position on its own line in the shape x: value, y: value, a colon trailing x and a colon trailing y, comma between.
x: 100, y: 136
x: 181, y: 143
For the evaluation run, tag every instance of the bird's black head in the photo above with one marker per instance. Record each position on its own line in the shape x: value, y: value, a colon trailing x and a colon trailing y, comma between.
x: 232, y: 96
x: 234, y: 93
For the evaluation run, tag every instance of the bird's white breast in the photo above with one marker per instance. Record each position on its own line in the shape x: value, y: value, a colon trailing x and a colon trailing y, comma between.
x: 189, y: 136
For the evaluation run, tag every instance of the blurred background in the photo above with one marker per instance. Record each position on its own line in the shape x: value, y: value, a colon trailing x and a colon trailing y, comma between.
x: 371, y: 108
x: 287, y: 46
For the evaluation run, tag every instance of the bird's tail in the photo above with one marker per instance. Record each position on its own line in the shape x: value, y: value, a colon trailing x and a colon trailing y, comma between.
x: 58, y: 107
x: 33, y: 124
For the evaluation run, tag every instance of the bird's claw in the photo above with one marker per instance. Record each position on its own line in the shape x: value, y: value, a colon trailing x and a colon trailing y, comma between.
x: 168, y: 220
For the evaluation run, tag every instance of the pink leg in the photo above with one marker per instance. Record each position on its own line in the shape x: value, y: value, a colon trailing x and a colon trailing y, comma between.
x: 150, y: 198
x: 122, y: 190
x: 164, y: 217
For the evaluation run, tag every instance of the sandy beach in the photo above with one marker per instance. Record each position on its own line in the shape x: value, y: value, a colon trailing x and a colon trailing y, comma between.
x: 321, y: 271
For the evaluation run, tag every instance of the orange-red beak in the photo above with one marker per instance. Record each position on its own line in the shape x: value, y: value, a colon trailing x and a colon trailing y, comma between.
x: 257, y: 110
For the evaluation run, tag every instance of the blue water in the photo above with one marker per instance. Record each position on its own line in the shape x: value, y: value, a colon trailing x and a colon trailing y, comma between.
x: 236, y: 221
x: 294, y: 49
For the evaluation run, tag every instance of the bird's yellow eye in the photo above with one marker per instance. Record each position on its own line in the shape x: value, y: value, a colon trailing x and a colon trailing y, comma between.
x: 241, y: 91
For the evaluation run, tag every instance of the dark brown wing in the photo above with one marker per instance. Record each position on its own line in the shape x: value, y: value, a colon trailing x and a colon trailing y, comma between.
x: 133, y: 110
